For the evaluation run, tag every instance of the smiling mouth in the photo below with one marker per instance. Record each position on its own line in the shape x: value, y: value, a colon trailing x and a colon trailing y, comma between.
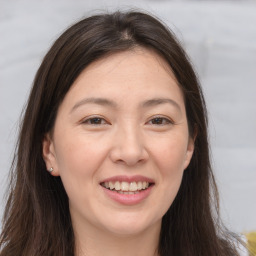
x: 123, y: 187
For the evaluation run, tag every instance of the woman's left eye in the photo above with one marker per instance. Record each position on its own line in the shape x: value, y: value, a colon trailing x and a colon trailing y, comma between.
x: 160, y: 121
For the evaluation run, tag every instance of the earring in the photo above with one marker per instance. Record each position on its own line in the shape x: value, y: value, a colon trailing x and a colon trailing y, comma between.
x: 50, y: 170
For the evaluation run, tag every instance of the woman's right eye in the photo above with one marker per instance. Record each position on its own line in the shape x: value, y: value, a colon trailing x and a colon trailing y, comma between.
x: 95, y: 121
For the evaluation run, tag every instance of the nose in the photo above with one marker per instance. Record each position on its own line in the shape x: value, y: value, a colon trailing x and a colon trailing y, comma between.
x: 128, y: 147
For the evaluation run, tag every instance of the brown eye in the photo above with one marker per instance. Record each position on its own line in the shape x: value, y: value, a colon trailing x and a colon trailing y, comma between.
x: 94, y: 121
x: 160, y: 121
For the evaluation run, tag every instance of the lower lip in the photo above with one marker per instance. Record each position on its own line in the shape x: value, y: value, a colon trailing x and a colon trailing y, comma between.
x: 128, y: 199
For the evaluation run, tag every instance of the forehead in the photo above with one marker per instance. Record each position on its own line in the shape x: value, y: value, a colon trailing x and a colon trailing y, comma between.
x: 136, y: 74
x: 133, y: 63
x: 143, y: 56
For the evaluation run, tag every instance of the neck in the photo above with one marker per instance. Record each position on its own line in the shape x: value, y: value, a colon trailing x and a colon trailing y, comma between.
x: 94, y: 242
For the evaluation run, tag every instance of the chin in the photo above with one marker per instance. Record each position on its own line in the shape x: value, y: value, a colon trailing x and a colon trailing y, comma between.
x: 129, y: 226
x: 127, y: 231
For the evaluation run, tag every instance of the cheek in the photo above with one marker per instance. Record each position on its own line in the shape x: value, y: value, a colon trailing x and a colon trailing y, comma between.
x: 170, y: 159
x: 78, y: 162
x: 78, y: 155
x: 171, y: 168
x: 170, y: 155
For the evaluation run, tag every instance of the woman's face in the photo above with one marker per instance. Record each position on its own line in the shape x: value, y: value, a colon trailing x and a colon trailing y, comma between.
x: 120, y: 143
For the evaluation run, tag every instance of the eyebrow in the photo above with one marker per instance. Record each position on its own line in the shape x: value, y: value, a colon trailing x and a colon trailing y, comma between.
x: 106, y: 102
x: 159, y: 101
x: 98, y: 101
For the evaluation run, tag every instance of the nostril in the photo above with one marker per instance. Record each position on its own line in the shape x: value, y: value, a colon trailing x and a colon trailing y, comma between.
x: 128, y: 151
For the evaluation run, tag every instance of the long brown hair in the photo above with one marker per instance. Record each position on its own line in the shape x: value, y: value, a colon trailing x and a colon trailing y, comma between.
x: 37, y: 220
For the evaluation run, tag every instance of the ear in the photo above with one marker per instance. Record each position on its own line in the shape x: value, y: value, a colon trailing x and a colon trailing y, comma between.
x: 189, y: 153
x: 49, y: 155
x: 190, y: 146
x: 190, y: 149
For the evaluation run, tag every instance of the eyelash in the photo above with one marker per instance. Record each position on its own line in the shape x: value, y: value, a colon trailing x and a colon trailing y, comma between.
x: 95, y: 118
x: 96, y: 121
x: 166, y: 121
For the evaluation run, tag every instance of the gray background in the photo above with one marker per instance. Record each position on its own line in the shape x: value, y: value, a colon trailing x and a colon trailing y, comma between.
x: 220, y: 37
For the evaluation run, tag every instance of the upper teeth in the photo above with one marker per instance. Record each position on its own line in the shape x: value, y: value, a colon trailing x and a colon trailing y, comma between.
x: 126, y: 186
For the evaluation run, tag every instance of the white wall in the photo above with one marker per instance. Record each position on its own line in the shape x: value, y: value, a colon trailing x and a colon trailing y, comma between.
x: 220, y: 37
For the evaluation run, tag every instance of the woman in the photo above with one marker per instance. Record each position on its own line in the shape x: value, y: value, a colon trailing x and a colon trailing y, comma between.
x: 113, y: 155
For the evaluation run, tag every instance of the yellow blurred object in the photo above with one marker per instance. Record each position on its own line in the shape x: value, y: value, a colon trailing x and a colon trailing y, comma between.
x: 251, y: 240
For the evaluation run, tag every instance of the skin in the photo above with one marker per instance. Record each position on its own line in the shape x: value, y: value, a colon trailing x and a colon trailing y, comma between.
x: 128, y: 137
